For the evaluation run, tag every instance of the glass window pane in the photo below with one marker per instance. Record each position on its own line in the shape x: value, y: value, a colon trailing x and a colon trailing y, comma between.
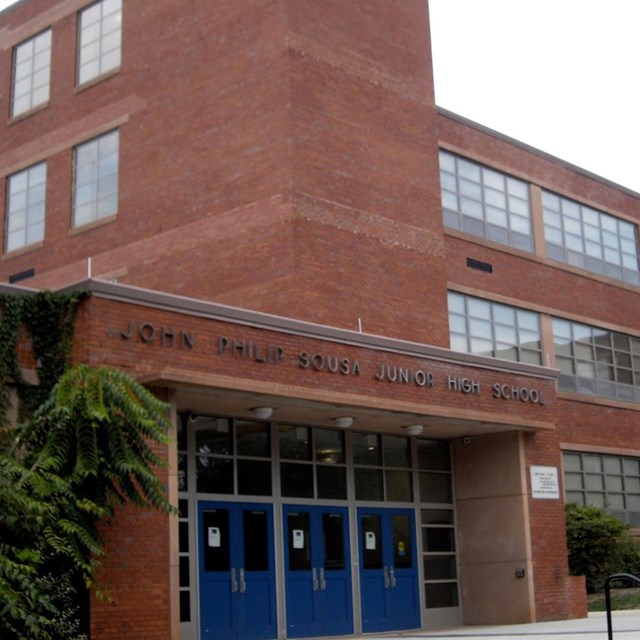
x: 213, y: 435
x: 396, y: 451
x: 217, y: 555
x: 438, y: 539
x: 332, y: 482
x: 433, y: 455
x: 294, y: 442
x: 252, y: 439
x: 254, y: 478
x: 333, y: 534
x: 398, y: 485
x: 367, y: 449
x: 371, y: 541
x: 296, y: 480
x: 435, y: 488
x: 440, y: 568
x: 214, y: 475
x: 299, y: 541
x: 256, y: 540
x: 369, y: 484
x: 329, y: 446
x: 402, y: 546
x: 441, y: 595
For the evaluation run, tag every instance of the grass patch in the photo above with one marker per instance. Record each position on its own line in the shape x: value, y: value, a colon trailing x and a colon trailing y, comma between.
x: 620, y: 599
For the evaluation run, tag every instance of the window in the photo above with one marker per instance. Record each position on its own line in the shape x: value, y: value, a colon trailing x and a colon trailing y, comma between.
x: 31, y: 73
x: 493, y: 329
x: 605, y: 481
x: 99, y: 39
x: 590, y: 239
x: 484, y: 202
x: 26, y: 206
x: 313, y: 463
x: 96, y: 179
x: 597, y: 362
x: 382, y: 467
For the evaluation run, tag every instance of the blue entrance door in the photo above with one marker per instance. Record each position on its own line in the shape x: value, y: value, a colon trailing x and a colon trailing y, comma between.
x: 317, y: 571
x: 237, y: 574
x: 390, y: 597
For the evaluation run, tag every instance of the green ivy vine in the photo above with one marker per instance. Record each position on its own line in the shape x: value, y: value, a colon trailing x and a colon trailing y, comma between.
x: 48, y: 320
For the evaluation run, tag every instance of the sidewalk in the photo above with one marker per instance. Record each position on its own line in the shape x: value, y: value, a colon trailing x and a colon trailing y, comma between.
x: 625, y: 626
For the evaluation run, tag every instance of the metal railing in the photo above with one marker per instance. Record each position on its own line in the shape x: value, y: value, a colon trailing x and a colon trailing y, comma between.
x: 621, y: 579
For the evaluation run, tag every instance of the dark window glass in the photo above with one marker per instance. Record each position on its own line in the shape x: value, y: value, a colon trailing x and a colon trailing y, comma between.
x: 254, y: 478
x: 398, y: 486
x: 295, y: 443
x: 435, y: 540
x: 437, y: 516
x: 213, y: 435
x: 332, y: 482
x: 252, y: 439
x: 441, y: 595
x: 185, y: 607
x: 256, y: 540
x: 435, y: 487
x: 214, y: 475
x: 296, y: 480
x: 299, y: 541
x: 366, y: 449
x: 184, y: 571
x: 433, y: 455
x: 183, y: 506
x: 332, y: 529
x: 329, y: 446
x: 402, y: 549
x: 440, y: 568
x: 183, y: 537
x: 396, y: 451
x: 216, y: 540
x: 369, y: 484
x: 371, y: 532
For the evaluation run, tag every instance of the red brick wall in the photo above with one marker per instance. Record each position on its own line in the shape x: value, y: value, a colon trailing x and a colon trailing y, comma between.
x: 257, y: 166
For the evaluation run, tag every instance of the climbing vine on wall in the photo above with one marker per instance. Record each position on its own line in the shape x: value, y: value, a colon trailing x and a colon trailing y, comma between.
x: 48, y: 320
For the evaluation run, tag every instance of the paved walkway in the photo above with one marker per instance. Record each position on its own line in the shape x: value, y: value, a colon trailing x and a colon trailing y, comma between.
x: 625, y: 626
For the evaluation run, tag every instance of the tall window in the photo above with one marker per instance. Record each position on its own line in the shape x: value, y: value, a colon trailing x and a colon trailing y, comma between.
x: 31, y: 73
x: 100, y: 39
x: 590, y: 239
x: 485, y: 202
x: 26, y: 206
x: 493, y: 329
x: 96, y: 179
x: 595, y: 361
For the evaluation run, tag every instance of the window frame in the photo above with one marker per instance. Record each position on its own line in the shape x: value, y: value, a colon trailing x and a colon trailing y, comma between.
x: 492, y: 321
x: 97, y: 180
x: 582, y: 236
x: 587, y: 348
x: 29, y: 206
x: 33, y: 42
x: 100, y: 57
x: 484, y: 194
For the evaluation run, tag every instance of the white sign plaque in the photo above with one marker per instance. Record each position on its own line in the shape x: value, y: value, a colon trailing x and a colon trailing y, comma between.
x: 544, y: 483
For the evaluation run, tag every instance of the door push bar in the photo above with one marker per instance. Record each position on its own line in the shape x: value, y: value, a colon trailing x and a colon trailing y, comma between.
x: 238, y: 582
x: 318, y: 584
x: 389, y: 578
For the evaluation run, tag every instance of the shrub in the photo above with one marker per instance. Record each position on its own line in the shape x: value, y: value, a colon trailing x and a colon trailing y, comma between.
x: 599, y: 545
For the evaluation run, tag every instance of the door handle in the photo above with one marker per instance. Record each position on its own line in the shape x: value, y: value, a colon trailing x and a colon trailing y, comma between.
x: 387, y: 582
x: 392, y: 577
x: 234, y: 581
x: 243, y: 584
x: 314, y: 578
x: 323, y: 582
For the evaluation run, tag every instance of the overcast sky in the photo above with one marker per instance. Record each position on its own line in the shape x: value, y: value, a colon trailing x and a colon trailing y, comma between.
x: 560, y: 75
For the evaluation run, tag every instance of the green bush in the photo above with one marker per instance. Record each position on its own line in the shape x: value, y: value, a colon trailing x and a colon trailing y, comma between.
x: 599, y: 545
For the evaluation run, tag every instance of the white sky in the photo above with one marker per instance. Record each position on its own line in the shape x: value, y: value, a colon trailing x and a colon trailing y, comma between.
x: 560, y: 75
